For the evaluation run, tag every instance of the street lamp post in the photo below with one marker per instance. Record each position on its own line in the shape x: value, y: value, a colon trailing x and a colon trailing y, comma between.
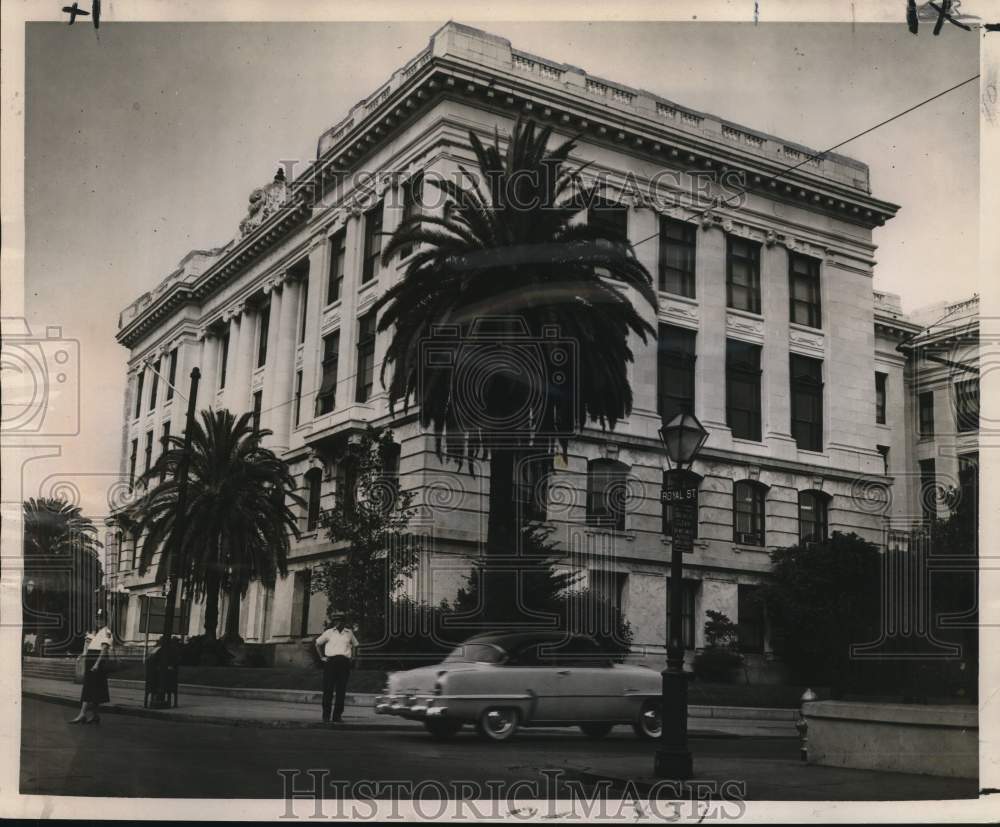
x: 683, y: 437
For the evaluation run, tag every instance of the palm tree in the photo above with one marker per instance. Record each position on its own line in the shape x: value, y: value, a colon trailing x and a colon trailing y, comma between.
x: 506, y: 246
x: 60, y: 557
x: 238, y: 517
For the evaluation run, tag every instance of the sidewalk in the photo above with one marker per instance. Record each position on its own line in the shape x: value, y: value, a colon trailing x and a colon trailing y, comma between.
x: 297, y: 709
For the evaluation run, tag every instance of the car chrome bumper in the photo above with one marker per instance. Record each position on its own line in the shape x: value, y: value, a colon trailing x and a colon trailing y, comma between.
x: 413, y: 707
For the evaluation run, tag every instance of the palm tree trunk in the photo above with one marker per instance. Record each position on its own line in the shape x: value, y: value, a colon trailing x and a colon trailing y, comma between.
x: 502, y: 532
x: 233, y: 616
x: 211, y: 605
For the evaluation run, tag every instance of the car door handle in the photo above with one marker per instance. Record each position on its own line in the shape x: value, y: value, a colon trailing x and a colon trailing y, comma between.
x: 563, y: 672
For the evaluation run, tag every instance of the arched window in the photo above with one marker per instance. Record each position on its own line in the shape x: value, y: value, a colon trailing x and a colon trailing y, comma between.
x: 813, y: 521
x: 607, y: 493
x: 748, y: 512
x: 668, y: 510
x: 314, y: 482
x: 531, y: 485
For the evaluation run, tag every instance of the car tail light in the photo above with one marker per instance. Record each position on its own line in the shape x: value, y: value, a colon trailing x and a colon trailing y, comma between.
x: 438, y: 686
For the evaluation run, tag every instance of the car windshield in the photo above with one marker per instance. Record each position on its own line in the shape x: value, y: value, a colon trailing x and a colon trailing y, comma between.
x: 476, y: 653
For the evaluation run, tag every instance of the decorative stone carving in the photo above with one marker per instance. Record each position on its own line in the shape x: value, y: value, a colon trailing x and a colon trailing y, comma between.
x: 807, y: 341
x: 611, y: 451
x: 681, y: 311
x: 315, y: 460
x: 264, y: 202
x: 751, y: 328
x: 753, y: 473
x: 771, y: 238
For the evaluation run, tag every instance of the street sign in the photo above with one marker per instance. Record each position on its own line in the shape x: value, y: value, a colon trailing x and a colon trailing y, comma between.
x: 680, y: 491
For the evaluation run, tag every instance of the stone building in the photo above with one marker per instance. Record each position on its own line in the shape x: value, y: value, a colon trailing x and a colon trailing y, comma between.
x: 768, y: 330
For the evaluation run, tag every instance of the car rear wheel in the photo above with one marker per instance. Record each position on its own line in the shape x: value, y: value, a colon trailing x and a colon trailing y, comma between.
x: 443, y: 730
x: 596, y: 730
x: 498, y: 723
x: 649, y: 723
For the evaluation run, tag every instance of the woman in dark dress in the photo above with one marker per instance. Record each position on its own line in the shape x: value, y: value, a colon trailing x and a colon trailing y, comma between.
x: 95, y: 676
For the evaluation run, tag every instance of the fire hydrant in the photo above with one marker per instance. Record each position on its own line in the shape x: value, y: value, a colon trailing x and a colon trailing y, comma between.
x: 802, y: 726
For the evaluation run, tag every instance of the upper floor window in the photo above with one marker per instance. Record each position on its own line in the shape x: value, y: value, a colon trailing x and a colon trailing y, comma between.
x: 607, y: 493
x: 675, y: 371
x: 366, y: 357
x: 742, y: 274
x: 967, y: 405
x: 531, y: 485
x: 373, y: 243
x: 326, y: 396
x: 258, y: 403
x: 131, y: 462
x: 154, y: 385
x: 338, y: 255
x: 314, y: 482
x: 813, y: 521
x: 803, y: 290
x: 223, y: 360
x: 149, y: 452
x: 748, y: 512
x: 880, y: 397
x: 677, y: 256
x: 298, y: 398
x: 304, y: 307
x: 807, y: 402
x: 263, y: 325
x: 138, y: 391
x: 743, y: 389
x: 412, y: 205
x: 925, y: 409
x: 172, y: 374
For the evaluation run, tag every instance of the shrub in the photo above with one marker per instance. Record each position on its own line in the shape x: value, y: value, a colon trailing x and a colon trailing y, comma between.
x: 717, y: 663
x: 203, y: 651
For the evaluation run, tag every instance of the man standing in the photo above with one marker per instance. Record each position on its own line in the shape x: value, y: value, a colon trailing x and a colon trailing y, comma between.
x: 337, y: 647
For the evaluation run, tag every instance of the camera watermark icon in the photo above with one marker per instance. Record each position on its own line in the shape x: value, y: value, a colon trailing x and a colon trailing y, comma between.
x: 41, y: 381
x: 508, y: 387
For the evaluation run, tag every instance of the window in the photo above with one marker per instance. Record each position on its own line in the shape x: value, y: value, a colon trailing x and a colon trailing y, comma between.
x: 314, y: 483
x: 304, y: 303
x: 967, y: 406
x: 884, y: 452
x: 803, y: 290
x: 742, y: 274
x: 880, y: 380
x: 301, y: 598
x: 164, y: 447
x: 347, y: 483
x: 813, y: 522
x: 807, y: 402
x: 298, y: 397
x: 677, y: 256
x: 338, y: 253
x: 412, y: 205
x: 926, y: 413
x: 224, y: 359
x: 928, y: 489
x: 154, y: 385
x: 610, y: 217
x: 689, y: 591
x: 326, y: 396
x: 968, y: 480
x: 149, y: 451
x: 748, y: 513
x: 262, y: 330
x: 138, y: 392
x: 131, y: 463
x: 750, y: 619
x: 388, y: 491
x: 373, y: 243
x: 258, y: 401
x: 172, y: 374
x: 675, y: 372
x: 667, y: 513
x: 366, y: 357
x: 743, y: 389
x: 607, y: 493
x: 531, y: 486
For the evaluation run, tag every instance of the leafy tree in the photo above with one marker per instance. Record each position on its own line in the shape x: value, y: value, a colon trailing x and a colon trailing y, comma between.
x: 238, y: 516
x: 720, y: 658
x: 62, y: 571
x: 371, y: 518
x: 506, y: 257
x: 821, y: 598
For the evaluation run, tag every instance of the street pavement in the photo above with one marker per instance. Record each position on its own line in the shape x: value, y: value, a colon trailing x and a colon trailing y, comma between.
x: 155, y: 756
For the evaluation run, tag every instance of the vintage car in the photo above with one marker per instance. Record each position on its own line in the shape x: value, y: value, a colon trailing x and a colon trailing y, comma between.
x: 502, y: 681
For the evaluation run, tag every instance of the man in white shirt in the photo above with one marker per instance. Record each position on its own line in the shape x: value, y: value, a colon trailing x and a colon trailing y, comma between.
x: 336, y: 647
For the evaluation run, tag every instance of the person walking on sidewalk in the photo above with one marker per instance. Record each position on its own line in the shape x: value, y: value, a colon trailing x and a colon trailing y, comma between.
x: 96, y: 651
x: 337, y: 647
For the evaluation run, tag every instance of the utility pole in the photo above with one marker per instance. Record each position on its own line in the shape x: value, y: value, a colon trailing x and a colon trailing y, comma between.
x: 176, y: 539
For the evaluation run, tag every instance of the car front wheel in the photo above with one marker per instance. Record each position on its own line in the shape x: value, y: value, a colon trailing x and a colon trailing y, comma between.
x: 649, y: 723
x: 596, y: 730
x: 443, y: 730
x: 498, y: 723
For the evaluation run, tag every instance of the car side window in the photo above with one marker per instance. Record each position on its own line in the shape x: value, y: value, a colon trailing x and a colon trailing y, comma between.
x: 579, y: 652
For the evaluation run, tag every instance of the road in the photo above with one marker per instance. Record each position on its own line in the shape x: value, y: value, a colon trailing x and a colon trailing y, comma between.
x: 133, y: 756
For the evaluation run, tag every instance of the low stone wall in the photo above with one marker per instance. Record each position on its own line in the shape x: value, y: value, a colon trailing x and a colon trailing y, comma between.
x: 930, y: 740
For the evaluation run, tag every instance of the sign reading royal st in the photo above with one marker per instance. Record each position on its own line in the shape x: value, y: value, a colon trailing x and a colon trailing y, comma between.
x: 680, y: 490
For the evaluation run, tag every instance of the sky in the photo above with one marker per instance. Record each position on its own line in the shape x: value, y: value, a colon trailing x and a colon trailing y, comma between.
x: 143, y: 141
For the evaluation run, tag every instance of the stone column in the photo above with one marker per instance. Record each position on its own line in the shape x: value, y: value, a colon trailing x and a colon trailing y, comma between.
x: 775, y: 390
x: 279, y: 386
x: 312, y: 346
x: 209, y: 367
x: 710, y: 391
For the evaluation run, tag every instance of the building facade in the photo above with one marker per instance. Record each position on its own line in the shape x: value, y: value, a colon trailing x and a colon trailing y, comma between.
x: 769, y: 331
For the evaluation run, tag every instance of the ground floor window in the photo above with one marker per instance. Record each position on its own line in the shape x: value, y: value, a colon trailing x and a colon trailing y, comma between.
x: 750, y: 622
x: 689, y: 591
